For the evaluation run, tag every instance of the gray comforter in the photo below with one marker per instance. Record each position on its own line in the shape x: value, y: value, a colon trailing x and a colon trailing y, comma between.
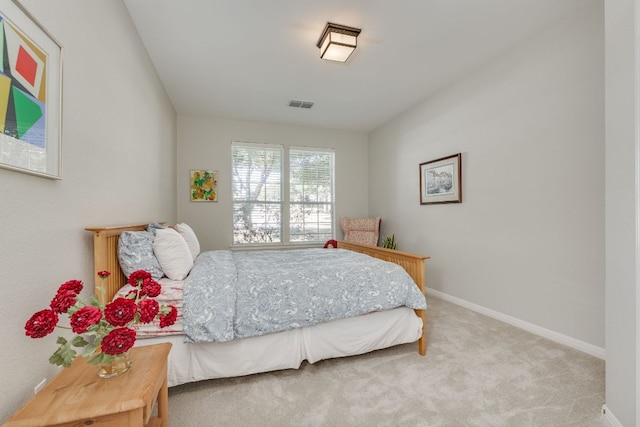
x: 230, y: 295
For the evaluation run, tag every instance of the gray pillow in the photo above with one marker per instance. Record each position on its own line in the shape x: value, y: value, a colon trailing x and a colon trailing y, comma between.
x: 153, y: 227
x: 135, y: 252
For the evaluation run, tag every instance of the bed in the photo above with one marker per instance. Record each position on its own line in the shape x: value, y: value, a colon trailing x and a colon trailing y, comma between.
x: 190, y: 362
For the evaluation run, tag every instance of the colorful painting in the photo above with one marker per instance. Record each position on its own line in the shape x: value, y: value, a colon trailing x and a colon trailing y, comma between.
x: 204, y: 186
x: 30, y: 82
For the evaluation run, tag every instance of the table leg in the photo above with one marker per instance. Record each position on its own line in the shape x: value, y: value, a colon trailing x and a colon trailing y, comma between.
x: 163, y: 404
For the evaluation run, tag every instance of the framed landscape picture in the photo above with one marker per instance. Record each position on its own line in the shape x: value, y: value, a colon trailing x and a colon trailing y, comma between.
x: 30, y: 94
x: 441, y: 180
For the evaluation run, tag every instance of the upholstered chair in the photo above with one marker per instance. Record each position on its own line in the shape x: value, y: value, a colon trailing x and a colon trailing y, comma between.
x: 364, y: 231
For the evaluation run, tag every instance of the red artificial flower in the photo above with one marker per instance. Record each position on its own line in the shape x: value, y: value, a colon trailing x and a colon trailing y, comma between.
x: 120, y: 312
x: 150, y: 288
x: 71, y: 285
x: 149, y: 309
x: 41, y: 324
x: 63, y: 300
x: 104, y: 274
x: 138, y: 277
x: 85, y: 317
x: 118, y: 341
x: 169, y: 318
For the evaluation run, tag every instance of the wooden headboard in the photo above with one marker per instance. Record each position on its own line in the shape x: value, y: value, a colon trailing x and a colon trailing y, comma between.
x: 105, y: 257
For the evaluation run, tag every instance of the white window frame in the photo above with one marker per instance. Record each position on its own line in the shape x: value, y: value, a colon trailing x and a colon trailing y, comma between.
x: 332, y: 195
x: 285, y: 205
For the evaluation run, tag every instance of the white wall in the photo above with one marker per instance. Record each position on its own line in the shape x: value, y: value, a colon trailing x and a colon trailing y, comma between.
x: 621, y: 214
x: 205, y: 143
x: 528, y: 239
x: 119, y: 133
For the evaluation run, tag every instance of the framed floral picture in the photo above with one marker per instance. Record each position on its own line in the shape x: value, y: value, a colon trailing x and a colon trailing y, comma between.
x: 441, y: 180
x: 30, y: 94
x: 204, y: 185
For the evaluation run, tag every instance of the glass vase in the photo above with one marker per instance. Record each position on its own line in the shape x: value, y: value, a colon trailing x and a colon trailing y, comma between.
x: 119, y: 364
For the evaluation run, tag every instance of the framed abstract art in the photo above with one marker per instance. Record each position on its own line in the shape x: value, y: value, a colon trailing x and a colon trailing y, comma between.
x: 30, y: 94
x: 204, y: 185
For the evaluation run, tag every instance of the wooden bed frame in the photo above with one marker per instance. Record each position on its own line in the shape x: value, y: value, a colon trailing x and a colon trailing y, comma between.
x: 105, y: 252
x: 413, y: 264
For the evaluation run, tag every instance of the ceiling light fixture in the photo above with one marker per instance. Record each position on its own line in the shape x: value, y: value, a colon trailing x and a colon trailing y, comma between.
x: 338, y: 42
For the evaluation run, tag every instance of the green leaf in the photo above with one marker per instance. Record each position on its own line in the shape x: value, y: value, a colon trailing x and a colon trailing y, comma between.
x: 64, y: 355
x: 390, y: 242
x: 91, y: 330
x: 55, y: 359
x: 94, y: 301
x: 100, y: 359
x: 79, y: 341
x: 61, y: 341
x: 91, y: 349
x: 77, y: 306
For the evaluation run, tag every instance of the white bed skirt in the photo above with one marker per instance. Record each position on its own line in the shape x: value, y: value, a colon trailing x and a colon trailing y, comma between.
x: 288, y: 349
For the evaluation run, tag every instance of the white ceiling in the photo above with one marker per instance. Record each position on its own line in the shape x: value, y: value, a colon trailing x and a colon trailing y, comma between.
x: 245, y: 59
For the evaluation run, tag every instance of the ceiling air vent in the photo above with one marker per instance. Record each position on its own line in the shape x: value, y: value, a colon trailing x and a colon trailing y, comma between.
x: 300, y: 104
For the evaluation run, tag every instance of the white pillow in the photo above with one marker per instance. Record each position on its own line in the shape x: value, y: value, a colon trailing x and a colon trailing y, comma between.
x: 173, y: 253
x: 190, y: 237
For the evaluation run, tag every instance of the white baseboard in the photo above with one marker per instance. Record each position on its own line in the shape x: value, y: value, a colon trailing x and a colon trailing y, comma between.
x: 593, y: 350
x: 609, y: 418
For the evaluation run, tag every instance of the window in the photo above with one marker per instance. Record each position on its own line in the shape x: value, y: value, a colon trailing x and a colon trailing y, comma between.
x: 310, y: 195
x: 257, y: 193
x: 281, y: 194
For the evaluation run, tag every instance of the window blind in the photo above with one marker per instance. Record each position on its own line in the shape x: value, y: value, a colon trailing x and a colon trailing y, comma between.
x: 281, y: 194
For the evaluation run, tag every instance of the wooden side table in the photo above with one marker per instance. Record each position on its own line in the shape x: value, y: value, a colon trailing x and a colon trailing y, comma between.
x: 78, y: 397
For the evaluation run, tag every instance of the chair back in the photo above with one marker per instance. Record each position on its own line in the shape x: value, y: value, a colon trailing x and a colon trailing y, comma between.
x: 364, y: 231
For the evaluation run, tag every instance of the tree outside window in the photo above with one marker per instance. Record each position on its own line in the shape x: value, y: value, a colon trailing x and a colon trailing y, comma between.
x: 277, y: 205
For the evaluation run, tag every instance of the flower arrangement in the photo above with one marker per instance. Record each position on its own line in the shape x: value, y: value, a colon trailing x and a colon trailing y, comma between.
x: 104, y: 330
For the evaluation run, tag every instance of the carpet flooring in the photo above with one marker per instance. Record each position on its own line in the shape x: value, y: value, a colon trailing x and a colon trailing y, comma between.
x: 478, y: 372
